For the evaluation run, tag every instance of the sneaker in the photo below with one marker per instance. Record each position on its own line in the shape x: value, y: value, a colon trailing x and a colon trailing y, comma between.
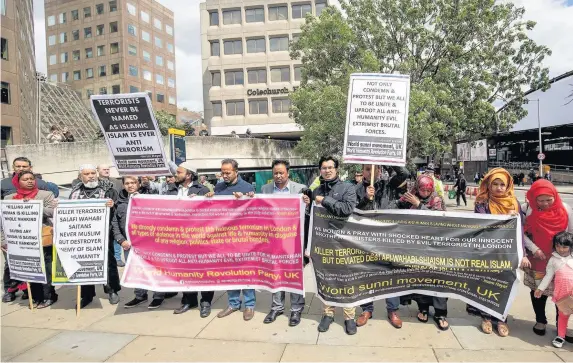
x: 133, y: 303
x: 155, y: 303
x: 9, y: 297
x: 325, y: 323
x: 558, y: 342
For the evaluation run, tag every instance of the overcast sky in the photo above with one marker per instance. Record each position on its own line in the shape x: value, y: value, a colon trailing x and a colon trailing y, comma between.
x: 554, y: 29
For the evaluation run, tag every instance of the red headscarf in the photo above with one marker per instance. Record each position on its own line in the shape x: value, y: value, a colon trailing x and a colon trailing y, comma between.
x: 24, y: 193
x: 543, y: 225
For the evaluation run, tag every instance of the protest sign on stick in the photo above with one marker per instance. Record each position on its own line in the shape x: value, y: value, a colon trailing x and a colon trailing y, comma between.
x: 131, y: 132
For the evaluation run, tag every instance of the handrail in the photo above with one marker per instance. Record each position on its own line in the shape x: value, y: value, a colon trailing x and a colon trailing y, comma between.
x: 529, y: 165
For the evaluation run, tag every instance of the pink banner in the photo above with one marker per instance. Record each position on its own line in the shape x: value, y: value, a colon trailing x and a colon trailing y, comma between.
x: 221, y: 243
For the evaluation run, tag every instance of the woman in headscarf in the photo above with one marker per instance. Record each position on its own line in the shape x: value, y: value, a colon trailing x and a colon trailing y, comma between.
x: 495, y: 196
x: 27, y: 189
x: 546, y: 215
x: 423, y: 196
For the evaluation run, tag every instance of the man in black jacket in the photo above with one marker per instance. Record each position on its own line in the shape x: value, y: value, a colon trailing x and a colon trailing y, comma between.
x: 460, y: 187
x: 339, y: 199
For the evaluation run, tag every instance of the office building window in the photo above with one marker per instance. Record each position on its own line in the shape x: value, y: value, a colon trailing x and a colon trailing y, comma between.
x: 159, y: 60
x: 53, y: 59
x: 112, y: 6
x: 158, y: 79
x: 51, y: 20
x: 131, y: 9
x: 170, y: 47
x: 5, y: 93
x: 133, y: 71
x: 89, y: 73
x: 102, y: 71
x: 145, y: 36
x: 215, y: 52
x: 99, y: 29
x: 133, y: 89
x: 231, y: 17
x: 99, y: 9
x: 160, y: 97
x: 131, y: 29
x: 300, y: 11
x: 258, y: 107
x: 76, y: 55
x: 65, y: 77
x: 278, y: 13
x: 89, y: 53
x: 77, y: 75
x: 114, y: 48
x: 115, y: 89
x: 64, y: 57
x: 113, y: 27
x: 132, y: 49
x: 170, y: 82
x: 169, y: 29
x: 144, y: 16
x: 235, y: 108
x: 255, y: 15
x: 52, y: 40
x: 234, y: 78
x: 280, y: 74
x: 63, y: 38
x: 255, y: 76
x: 158, y: 42
x: 278, y: 44
x: 146, y: 56
x: 53, y: 77
x: 147, y: 75
x: 233, y: 46
x: 157, y: 24
x: 100, y: 50
x: 256, y: 45
x: 281, y: 105
x: 76, y: 34
x: 87, y: 33
x: 297, y: 73
x: 75, y: 15
x: 214, y: 18
x: 319, y: 7
x: 216, y: 79
x: 89, y: 93
x: 172, y: 100
x: 115, y: 68
x: 217, y: 109
x: 103, y: 91
x: 87, y: 12
x: 170, y: 65
x: 62, y: 18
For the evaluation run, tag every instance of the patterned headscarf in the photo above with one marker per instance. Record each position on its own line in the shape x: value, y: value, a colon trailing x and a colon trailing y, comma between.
x: 504, y: 204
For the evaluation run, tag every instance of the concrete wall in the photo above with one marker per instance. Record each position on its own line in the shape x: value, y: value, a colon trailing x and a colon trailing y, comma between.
x: 59, y: 163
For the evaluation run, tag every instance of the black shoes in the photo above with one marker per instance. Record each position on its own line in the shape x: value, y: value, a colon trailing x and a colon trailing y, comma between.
x: 155, y: 303
x: 272, y: 316
x: 205, y: 309
x: 294, y: 318
x: 113, y: 298
x: 350, y: 326
x: 169, y: 295
x: 325, y: 323
x: 9, y: 297
x: 133, y: 303
x: 184, y: 308
x: 85, y: 302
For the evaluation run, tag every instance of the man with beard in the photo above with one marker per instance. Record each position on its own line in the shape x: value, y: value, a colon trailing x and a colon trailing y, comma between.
x: 383, y: 195
x: 93, y: 188
x: 186, y: 185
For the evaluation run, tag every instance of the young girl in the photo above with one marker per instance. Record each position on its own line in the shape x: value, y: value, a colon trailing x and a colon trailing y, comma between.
x: 560, y: 268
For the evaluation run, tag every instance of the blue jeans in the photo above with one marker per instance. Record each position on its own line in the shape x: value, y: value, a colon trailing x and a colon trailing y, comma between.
x: 392, y: 304
x: 235, y: 298
x: 117, y: 251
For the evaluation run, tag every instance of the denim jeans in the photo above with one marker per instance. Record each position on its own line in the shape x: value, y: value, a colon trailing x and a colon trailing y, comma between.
x: 235, y: 298
x: 117, y: 251
x: 126, y: 253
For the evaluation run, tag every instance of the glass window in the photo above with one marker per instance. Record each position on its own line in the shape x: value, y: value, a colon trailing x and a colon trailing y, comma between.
x: 281, y: 105
x: 99, y: 29
x: 234, y: 78
x: 75, y: 15
x: 131, y: 29
x: 278, y: 13
x: 256, y: 45
x: 63, y: 37
x: 114, y: 48
x: 157, y: 23
x: 213, y: 18
x: 233, y: 46
x: 169, y: 29
x: 280, y: 74
x: 103, y: 90
x: 112, y: 6
x: 255, y: 76
x: 172, y: 100
x: 297, y: 73
x: 131, y: 9
x: 87, y: 33
x: 76, y: 55
x: 217, y: 109
x: 158, y: 79
x: 87, y: 12
x: 170, y: 65
x: 89, y: 53
x: 89, y: 73
x: 278, y: 44
x: 147, y: 75
x: 144, y: 16
x: 235, y: 108
x: 215, y: 52
x: 170, y: 82
x: 133, y: 71
x: 115, y: 68
x: 77, y: 75
x: 255, y: 15
x: 100, y: 50
x: 115, y: 89
x: 319, y: 7
x: 132, y: 49
x: 4, y: 49
x: 216, y: 79
x: 146, y: 56
x: 99, y: 9
x: 160, y: 97
x: 258, y: 107
x: 300, y: 11
x: 76, y: 34
x: 52, y: 40
x: 62, y: 18
x: 53, y: 77
x: 231, y: 17
x: 133, y: 89
x: 113, y: 27
x: 64, y: 57
x: 89, y: 93
x: 170, y: 47
x: 159, y: 60
x: 65, y: 76
x: 51, y: 20
x: 158, y: 42
x: 102, y: 71
x: 145, y: 36
x: 53, y: 59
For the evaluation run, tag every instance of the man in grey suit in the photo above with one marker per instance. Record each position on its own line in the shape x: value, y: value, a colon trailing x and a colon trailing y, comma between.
x: 283, y: 185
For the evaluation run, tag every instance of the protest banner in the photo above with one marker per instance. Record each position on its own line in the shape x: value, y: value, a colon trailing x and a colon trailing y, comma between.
x: 131, y: 132
x: 177, y: 145
x: 22, y: 227
x: 377, y: 119
x: 221, y: 243
x: 81, y: 237
x: 378, y: 254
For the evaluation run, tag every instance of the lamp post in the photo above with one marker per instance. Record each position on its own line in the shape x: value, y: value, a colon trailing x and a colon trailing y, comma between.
x: 540, y: 142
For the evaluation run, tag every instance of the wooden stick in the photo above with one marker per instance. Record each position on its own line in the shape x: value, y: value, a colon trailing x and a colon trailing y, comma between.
x: 79, y: 298
x: 372, y: 171
x: 30, y: 296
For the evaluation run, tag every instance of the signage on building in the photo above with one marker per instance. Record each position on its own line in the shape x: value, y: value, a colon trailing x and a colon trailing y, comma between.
x: 270, y: 91
x: 492, y: 153
x: 177, y: 145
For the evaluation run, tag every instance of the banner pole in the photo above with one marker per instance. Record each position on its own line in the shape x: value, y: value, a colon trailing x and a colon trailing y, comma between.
x: 30, y: 296
x: 373, y: 170
x: 79, y: 298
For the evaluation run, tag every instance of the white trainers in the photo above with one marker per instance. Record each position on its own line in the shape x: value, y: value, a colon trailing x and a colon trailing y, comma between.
x: 558, y: 342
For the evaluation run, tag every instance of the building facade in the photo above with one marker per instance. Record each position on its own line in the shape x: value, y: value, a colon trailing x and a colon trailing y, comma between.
x: 110, y: 47
x: 247, y: 70
x: 19, y: 86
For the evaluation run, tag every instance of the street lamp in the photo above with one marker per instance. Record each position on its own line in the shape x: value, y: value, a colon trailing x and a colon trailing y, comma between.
x: 540, y: 142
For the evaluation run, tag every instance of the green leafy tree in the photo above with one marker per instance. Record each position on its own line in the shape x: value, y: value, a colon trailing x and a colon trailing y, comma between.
x: 463, y: 57
x: 165, y: 121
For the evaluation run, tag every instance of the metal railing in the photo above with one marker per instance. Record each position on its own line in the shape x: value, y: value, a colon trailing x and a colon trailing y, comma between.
x: 526, y: 165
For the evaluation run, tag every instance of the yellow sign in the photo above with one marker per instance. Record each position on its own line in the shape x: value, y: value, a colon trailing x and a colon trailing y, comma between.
x: 172, y: 131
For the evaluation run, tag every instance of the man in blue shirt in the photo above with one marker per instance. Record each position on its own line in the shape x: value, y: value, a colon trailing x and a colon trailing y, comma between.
x: 234, y: 185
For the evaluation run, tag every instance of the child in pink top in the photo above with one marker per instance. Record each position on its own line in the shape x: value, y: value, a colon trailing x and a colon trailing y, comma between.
x: 559, y: 269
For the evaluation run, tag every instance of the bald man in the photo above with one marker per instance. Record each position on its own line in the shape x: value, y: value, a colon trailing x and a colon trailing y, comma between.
x: 103, y: 171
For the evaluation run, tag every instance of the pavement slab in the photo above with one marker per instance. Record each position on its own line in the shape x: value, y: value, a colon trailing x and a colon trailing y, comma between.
x: 18, y: 340
x: 460, y: 355
x: 18, y: 304
x: 321, y: 353
x: 565, y: 356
